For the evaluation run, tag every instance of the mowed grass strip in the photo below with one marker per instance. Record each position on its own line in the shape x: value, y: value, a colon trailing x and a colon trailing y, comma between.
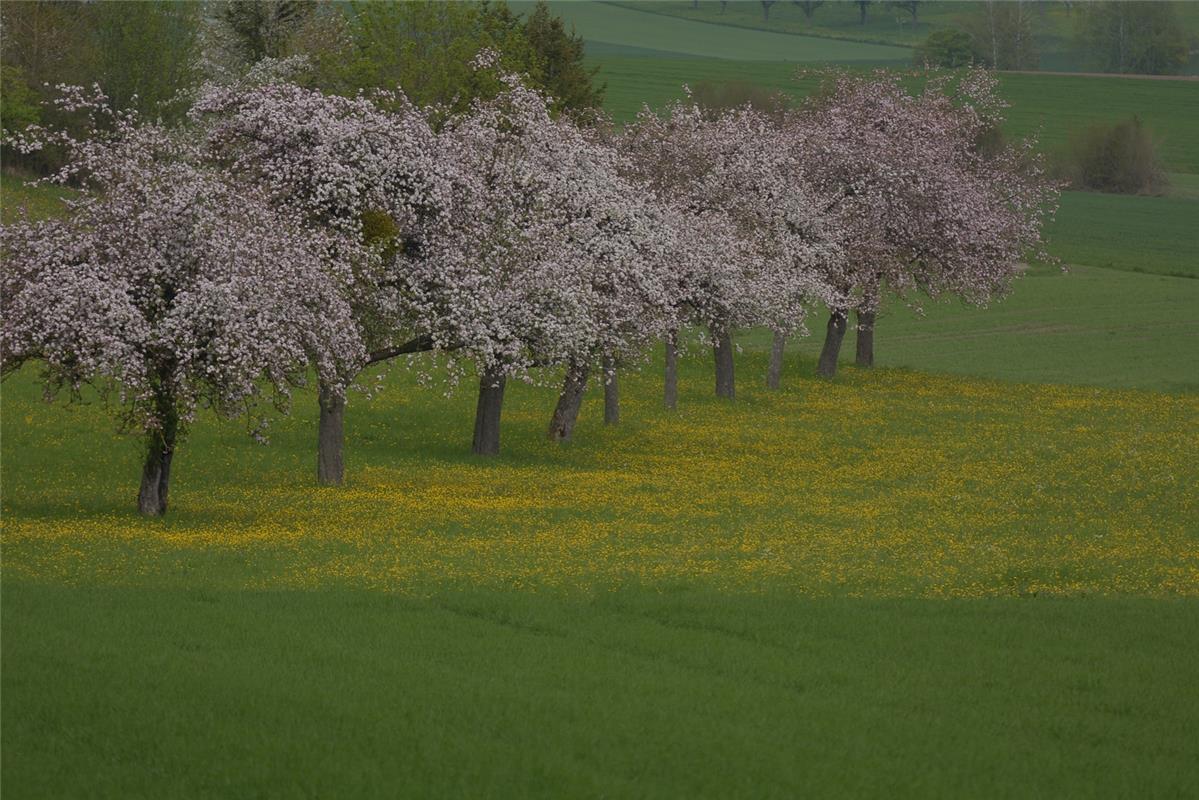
x: 881, y: 484
x: 1085, y: 326
x: 170, y: 692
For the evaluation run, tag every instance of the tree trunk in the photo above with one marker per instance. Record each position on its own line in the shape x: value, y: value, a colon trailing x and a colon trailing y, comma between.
x: 777, y: 348
x: 611, y: 393
x: 330, y: 441
x: 827, y: 366
x: 671, y: 395
x: 487, y: 414
x: 566, y: 413
x: 156, y: 473
x: 722, y: 351
x: 865, y: 348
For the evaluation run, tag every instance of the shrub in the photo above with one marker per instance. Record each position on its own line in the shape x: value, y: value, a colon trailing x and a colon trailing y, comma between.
x: 736, y: 94
x: 991, y: 142
x: 1120, y: 158
x: 945, y: 48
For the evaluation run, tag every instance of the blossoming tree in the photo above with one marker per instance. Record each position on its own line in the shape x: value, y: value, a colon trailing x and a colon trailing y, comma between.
x: 541, y: 258
x: 632, y: 298
x: 759, y: 231
x: 168, y: 289
x: 923, y: 210
x: 365, y: 173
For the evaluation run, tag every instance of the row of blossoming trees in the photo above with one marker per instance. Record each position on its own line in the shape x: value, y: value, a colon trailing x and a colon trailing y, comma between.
x: 283, y: 232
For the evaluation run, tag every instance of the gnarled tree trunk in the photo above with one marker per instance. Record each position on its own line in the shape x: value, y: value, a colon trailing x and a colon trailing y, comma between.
x: 611, y: 392
x: 777, y: 348
x: 865, y: 346
x: 330, y: 441
x: 722, y: 350
x: 835, y: 333
x: 156, y: 472
x: 566, y: 413
x: 487, y: 413
x: 671, y: 394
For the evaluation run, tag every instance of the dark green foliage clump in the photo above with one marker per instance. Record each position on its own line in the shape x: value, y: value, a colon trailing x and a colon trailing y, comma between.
x: 560, y: 56
x: 141, y: 54
x: 945, y: 48
x: 380, y: 229
x: 18, y: 103
x: 427, y: 49
x: 1120, y: 158
x: 720, y: 95
x: 263, y: 28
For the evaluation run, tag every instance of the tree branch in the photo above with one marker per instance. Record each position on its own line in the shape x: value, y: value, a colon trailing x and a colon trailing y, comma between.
x: 421, y: 344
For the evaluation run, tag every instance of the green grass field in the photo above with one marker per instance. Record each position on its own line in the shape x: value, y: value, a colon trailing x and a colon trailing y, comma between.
x: 821, y: 591
x: 611, y: 24
x: 1087, y: 326
x: 1142, y: 234
x: 835, y: 20
x: 1053, y: 23
x: 1057, y: 105
x: 39, y: 201
x: 359, y: 694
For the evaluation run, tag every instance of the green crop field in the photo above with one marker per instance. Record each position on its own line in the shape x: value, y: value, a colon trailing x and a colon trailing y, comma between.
x: 836, y: 20
x: 340, y: 693
x: 1053, y: 23
x: 609, y: 24
x: 1057, y: 105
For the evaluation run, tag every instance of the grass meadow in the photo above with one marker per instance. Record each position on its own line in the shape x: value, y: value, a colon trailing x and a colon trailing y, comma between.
x: 1054, y: 23
x: 972, y: 571
x: 937, y: 576
x: 607, y: 24
x: 1086, y: 326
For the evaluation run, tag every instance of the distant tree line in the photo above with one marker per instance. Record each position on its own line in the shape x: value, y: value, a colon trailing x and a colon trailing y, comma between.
x: 1118, y: 36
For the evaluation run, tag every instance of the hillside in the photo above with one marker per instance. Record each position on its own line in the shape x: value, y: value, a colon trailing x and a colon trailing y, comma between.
x: 1053, y: 23
x: 611, y: 28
